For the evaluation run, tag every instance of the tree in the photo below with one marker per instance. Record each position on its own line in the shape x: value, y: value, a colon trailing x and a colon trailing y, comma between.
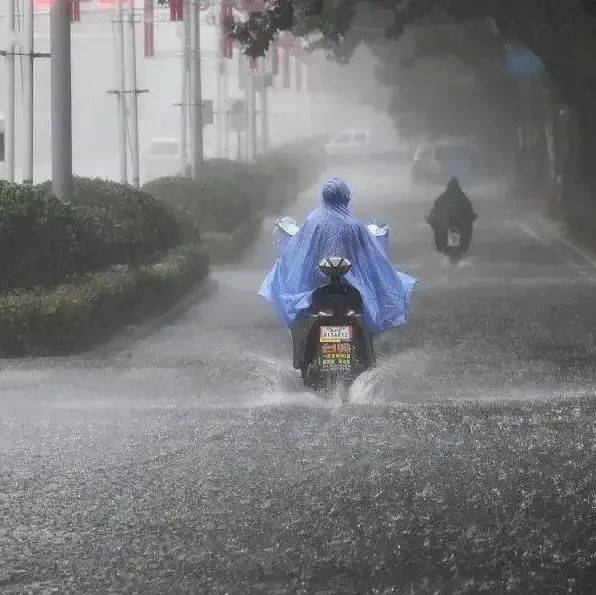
x: 554, y: 115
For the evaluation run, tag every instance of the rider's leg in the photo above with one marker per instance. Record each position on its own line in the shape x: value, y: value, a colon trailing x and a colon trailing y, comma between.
x: 299, y: 337
x: 440, y: 239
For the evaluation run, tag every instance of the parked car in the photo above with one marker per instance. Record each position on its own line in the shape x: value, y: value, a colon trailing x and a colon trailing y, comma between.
x: 164, y: 158
x: 439, y: 160
x: 349, y: 143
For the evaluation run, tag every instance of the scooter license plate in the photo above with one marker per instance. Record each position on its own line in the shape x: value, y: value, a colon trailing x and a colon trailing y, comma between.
x: 335, y: 357
x: 335, y: 334
x: 453, y: 239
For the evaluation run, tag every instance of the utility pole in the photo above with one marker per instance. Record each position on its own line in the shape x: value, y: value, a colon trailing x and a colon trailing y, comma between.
x: 185, y: 70
x: 219, y: 122
x: 244, y: 68
x: 133, y: 94
x: 226, y: 18
x: 120, y: 92
x: 222, y: 84
x: 226, y: 110
x: 264, y: 107
x: 28, y: 50
x: 61, y: 99
x: 252, y: 113
x: 9, y: 125
x: 195, y: 95
x: 250, y: 106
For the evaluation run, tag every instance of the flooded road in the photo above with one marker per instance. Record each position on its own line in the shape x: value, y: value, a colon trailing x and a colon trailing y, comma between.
x: 192, y: 459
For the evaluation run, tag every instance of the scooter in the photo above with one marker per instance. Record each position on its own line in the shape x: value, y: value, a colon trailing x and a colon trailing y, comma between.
x: 454, y: 248
x: 332, y: 345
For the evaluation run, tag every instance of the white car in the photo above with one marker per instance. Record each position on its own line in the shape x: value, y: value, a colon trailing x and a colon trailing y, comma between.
x: 349, y: 142
x: 164, y: 158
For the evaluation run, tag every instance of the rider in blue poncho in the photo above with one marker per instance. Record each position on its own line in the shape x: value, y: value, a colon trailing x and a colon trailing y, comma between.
x: 332, y: 230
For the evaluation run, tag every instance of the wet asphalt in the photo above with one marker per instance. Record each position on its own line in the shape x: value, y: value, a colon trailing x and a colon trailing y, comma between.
x: 189, y: 458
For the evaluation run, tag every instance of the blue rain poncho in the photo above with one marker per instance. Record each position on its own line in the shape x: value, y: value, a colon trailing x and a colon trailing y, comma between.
x: 331, y: 230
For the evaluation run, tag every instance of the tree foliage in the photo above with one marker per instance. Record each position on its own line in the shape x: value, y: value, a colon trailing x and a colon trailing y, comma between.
x: 563, y: 34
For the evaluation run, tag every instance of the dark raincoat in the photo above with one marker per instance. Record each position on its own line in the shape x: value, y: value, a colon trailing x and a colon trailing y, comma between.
x: 453, y: 207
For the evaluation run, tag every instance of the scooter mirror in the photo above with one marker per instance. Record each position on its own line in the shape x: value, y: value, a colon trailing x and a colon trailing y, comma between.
x: 377, y: 230
x: 288, y: 226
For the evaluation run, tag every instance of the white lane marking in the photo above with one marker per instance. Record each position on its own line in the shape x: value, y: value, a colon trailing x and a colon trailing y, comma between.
x: 530, y: 232
x: 590, y: 260
x: 527, y: 229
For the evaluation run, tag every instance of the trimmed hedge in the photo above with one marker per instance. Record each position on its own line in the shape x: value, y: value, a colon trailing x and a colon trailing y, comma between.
x: 299, y: 163
x: 227, y: 201
x: 129, y: 224
x: 77, y: 316
x: 225, y: 247
x: 42, y: 241
x: 205, y: 204
x: 248, y: 178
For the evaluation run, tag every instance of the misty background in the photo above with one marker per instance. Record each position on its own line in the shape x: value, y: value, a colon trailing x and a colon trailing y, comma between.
x: 322, y: 97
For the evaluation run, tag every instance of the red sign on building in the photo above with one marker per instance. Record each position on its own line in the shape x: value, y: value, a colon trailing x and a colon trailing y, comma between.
x: 75, y: 11
x: 149, y: 29
x: 227, y: 23
x: 176, y: 10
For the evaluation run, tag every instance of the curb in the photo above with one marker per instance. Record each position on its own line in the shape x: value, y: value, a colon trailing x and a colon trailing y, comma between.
x: 134, y: 333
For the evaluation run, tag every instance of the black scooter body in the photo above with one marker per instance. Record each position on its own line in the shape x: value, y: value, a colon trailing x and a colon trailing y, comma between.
x: 337, y: 304
x: 327, y: 365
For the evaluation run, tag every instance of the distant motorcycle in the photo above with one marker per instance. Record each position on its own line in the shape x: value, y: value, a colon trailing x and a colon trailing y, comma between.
x: 332, y: 345
x: 452, y: 238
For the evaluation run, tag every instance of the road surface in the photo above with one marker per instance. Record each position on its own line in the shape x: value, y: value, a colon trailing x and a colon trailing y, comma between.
x: 192, y: 460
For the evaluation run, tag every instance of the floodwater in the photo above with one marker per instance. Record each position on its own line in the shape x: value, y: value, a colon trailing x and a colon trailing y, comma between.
x: 489, y: 328
x: 187, y: 456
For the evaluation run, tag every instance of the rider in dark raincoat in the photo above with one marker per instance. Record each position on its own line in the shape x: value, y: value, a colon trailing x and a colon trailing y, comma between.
x: 453, y: 207
x: 332, y: 230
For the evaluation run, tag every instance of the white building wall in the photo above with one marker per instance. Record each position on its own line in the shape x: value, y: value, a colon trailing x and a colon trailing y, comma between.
x: 95, y: 149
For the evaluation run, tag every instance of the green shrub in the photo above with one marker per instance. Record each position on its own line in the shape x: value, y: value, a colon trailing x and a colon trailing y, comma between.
x: 248, y: 177
x: 225, y: 247
x: 42, y: 241
x: 128, y: 223
x: 300, y: 162
x: 80, y: 315
x: 227, y: 201
x: 292, y: 167
x: 227, y: 192
x: 207, y: 203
